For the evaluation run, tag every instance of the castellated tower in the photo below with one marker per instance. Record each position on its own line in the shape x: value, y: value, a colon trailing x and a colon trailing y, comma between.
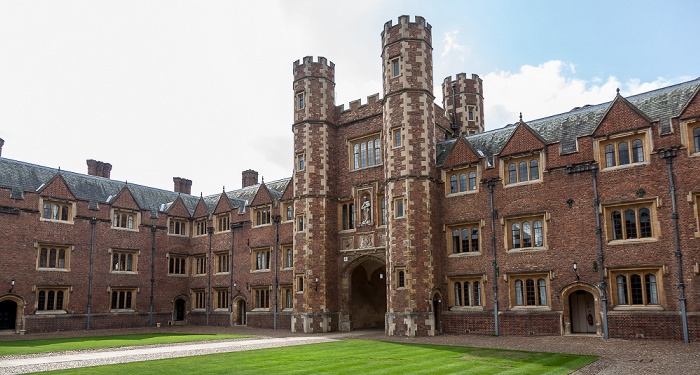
x: 412, y: 191
x: 314, y: 210
x: 463, y: 100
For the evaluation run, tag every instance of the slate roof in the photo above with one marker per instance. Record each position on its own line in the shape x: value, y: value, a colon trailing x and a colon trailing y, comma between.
x: 660, y: 105
x: 21, y: 176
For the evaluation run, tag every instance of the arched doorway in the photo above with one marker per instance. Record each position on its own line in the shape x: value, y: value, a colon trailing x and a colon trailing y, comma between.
x: 180, y: 309
x: 582, y: 309
x: 437, y: 308
x: 8, y: 314
x: 582, y: 312
x: 241, y: 318
x: 367, y: 300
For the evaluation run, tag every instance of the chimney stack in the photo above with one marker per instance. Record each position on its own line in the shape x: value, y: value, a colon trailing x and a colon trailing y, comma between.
x: 182, y: 185
x: 2, y: 143
x: 98, y: 168
x: 250, y: 177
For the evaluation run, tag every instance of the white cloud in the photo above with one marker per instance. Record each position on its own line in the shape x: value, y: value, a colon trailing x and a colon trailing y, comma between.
x: 451, y: 45
x: 548, y: 89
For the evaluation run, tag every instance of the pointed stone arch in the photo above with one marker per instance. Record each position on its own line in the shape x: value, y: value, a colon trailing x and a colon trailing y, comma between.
x: 239, y: 310
x: 366, y: 276
x: 581, y: 286
x: 7, y: 300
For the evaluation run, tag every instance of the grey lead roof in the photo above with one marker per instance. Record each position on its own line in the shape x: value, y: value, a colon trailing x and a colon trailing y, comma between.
x: 660, y: 105
x: 20, y: 177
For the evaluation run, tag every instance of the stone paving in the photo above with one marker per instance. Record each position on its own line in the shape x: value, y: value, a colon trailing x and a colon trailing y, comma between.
x: 617, y: 356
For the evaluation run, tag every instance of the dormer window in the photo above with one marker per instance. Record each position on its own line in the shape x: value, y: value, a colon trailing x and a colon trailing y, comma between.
x: 56, y: 210
x: 123, y: 219
x: 622, y: 151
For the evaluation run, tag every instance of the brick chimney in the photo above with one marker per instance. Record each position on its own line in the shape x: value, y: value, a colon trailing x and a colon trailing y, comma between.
x: 250, y: 177
x: 2, y: 143
x: 98, y: 168
x: 182, y: 185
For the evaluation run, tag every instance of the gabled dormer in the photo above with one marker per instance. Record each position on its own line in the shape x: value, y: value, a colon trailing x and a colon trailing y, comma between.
x: 522, y: 158
x: 623, y: 137
x: 201, y: 215
x: 178, y: 218
x: 461, y: 170
x: 125, y: 211
x: 56, y: 200
x: 690, y: 124
x: 222, y: 214
x: 261, y: 207
x: 287, y: 202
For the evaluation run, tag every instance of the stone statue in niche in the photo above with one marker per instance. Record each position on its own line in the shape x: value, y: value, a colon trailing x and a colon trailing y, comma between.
x: 366, y: 208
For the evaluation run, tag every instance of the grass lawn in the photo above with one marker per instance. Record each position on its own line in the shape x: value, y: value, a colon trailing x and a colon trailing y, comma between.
x: 75, y: 343
x: 358, y: 357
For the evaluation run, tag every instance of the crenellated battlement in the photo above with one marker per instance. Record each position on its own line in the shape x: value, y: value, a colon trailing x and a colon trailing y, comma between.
x: 357, y: 104
x: 465, y: 105
x: 406, y: 29
x: 309, y: 68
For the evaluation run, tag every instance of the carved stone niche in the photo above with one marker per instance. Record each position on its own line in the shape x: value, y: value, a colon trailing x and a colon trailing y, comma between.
x: 365, y: 203
x: 366, y: 240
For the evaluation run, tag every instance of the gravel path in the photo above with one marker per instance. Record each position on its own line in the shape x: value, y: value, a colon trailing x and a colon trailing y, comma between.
x: 617, y: 356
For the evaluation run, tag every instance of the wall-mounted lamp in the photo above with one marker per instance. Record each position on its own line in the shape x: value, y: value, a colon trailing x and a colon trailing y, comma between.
x: 316, y: 280
x: 576, y: 270
x: 640, y: 192
x: 12, y: 286
x: 570, y: 202
x: 381, y: 276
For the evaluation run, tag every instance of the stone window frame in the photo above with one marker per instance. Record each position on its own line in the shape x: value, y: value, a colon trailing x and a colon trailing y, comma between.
x: 222, y: 261
x: 299, y: 283
x: 288, y: 263
x: 65, y: 291
x: 346, y: 215
x: 688, y: 126
x: 199, y: 228
x: 471, y: 113
x: 66, y: 209
x: 287, y: 297
x: 177, y: 262
x: 287, y: 212
x: 505, y: 172
x: 462, y: 279
x: 122, y: 265
x: 199, y: 299
x: 132, y: 222
x: 395, y: 66
x: 129, y: 301
x: 470, y: 225
x: 606, y: 209
x: 300, y: 225
x: 355, y: 149
x: 400, y: 276
x: 397, y: 136
x: 261, y: 297
x: 176, y: 225
x: 535, y: 276
x: 657, y: 271
x: 694, y: 201
x: 399, y: 201
x: 222, y: 223
x: 531, y: 218
x: 382, y: 210
x: 615, y: 141
x: 300, y: 161
x: 199, y: 265
x: 261, y: 216
x: 48, y: 246
x: 222, y: 298
x: 299, y: 101
x: 260, y: 259
x: 457, y: 174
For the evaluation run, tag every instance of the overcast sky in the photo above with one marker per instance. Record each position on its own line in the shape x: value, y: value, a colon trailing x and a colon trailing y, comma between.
x: 203, y: 89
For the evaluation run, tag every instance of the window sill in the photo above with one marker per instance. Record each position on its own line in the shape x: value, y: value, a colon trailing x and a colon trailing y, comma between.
x: 526, y: 249
x: 223, y: 231
x: 460, y: 193
x: 287, y: 269
x: 287, y: 310
x: 57, y: 221
x: 464, y: 255
x: 260, y: 271
x: 531, y: 308
x: 177, y: 235
x: 124, y: 272
x: 466, y: 308
x: 221, y: 273
x: 221, y: 310
x: 632, y: 241
x: 523, y: 183
x: 638, y: 308
x: 363, y: 168
x: 261, y: 309
x: 125, y: 229
x: 199, y: 274
x: 50, y: 312
x: 261, y: 225
x: 177, y: 274
x: 122, y: 310
x: 342, y: 231
x: 625, y: 166
x: 53, y: 269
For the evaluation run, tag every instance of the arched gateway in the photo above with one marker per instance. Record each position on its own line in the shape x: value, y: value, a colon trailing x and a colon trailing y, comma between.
x: 582, y: 309
x: 363, y: 291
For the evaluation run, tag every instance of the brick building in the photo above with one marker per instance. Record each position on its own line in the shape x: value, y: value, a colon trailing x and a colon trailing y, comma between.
x: 401, y: 214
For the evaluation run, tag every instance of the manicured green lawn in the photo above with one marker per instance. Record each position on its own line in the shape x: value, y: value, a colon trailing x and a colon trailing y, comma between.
x: 75, y: 343
x: 358, y: 357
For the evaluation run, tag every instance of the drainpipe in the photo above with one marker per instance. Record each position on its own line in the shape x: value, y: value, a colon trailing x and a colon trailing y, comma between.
x: 669, y: 155
x: 153, y: 260
x: 601, y: 258
x: 210, y: 230
x: 93, y: 221
x: 494, y: 214
x: 455, y: 127
x: 230, y: 294
x: 277, y: 220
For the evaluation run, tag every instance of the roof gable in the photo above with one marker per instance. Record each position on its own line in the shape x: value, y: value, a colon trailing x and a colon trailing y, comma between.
x: 523, y: 139
x: 462, y: 153
x: 57, y: 187
x: 692, y: 108
x: 621, y: 116
x: 288, y: 193
x: 201, y: 209
x: 224, y: 205
x: 125, y: 199
x: 178, y: 208
x: 262, y: 197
